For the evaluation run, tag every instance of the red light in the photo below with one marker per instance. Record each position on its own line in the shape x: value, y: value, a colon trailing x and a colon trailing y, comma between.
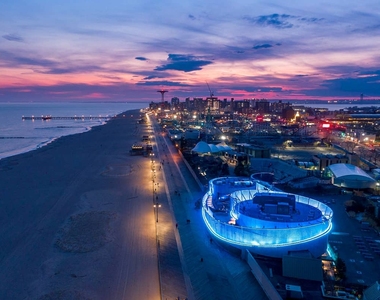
x: 325, y: 125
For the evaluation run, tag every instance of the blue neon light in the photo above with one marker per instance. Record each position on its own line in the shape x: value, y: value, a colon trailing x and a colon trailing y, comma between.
x: 302, y: 235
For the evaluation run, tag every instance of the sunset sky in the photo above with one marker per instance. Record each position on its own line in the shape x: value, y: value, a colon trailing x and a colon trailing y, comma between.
x: 124, y: 50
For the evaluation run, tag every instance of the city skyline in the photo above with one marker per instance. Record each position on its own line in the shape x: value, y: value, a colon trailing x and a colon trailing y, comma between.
x: 123, y: 51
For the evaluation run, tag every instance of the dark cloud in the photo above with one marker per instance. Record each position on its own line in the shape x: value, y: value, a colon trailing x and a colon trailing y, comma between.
x: 13, y: 38
x: 10, y: 60
x: 185, y: 63
x: 280, y: 21
x: 311, y: 20
x: 150, y: 77
x: 262, y: 46
x: 141, y: 58
x: 191, y: 17
x: 30, y: 61
x: 252, y: 50
x: 370, y: 30
x: 274, y: 20
x: 116, y: 78
x: 146, y: 74
x: 55, y: 71
x: 76, y: 69
x: 366, y: 82
x: 70, y: 92
x: 44, y: 66
x: 337, y: 70
x: 229, y: 52
x: 163, y: 82
x: 370, y: 73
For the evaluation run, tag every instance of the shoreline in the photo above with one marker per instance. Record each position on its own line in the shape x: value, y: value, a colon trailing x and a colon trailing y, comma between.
x: 41, y: 145
x: 45, y: 143
x: 65, y: 224
x: 19, y: 135
x: 77, y: 222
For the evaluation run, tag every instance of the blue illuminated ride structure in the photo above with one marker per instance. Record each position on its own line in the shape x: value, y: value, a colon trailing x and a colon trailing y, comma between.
x: 252, y: 214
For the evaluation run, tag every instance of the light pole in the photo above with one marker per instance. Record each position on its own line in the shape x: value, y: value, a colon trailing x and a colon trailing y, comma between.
x: 157, y: 206
x: 153, y: 189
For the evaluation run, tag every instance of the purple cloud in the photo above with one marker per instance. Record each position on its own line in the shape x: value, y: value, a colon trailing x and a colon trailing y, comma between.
x: 185, y: 63
x: 262, y: 46
x: 355, y: 85
x: 163, y: 82
x: 274, y: 20
x: 365, y: 82
x: 150, y: 77
x: 45, y: 66
x: 262, y: 89
x: 13, y: 38
x: 280, y: 21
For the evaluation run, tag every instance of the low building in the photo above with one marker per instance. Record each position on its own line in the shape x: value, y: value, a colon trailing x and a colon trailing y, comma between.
x: 302, y: 266
x: 175, y: 134
x: 324, y: 160
x: 373, y: 292
x: 253, y: 151
x: 349, y: 176
x: 192, y: 134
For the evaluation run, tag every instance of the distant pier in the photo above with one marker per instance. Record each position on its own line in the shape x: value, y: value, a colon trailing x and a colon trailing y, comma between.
x: 46, y: 118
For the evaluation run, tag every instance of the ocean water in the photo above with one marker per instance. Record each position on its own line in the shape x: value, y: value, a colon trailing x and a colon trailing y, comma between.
x: 19, y: 136
x: 334, y: 106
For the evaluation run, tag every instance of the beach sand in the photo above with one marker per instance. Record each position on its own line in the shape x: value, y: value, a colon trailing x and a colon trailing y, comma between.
x: 76, y: 219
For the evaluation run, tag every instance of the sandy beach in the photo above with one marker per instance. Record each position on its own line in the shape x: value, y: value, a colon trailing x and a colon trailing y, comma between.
x: 76, y: 222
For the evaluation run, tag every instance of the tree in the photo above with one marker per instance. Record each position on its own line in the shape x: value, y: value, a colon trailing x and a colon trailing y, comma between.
x: 363, y: 152
x: 225, y: 169
x: 239, y: 169
x: 349, y: 146
x: 374, y: 155
x: 341, y: 269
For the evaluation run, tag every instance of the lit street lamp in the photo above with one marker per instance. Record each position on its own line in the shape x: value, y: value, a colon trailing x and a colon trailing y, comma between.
x: 157, y: 206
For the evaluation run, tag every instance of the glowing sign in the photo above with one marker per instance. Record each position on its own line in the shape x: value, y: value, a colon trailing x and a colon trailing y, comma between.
x: 325, y: 125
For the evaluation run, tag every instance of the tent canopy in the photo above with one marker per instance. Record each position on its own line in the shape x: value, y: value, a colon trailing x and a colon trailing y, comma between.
x: 203, y: 147
x: 348, y: 170
x: 350, y: 176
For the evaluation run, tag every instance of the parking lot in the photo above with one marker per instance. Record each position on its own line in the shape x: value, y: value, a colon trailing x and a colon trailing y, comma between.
x: 356, y: 245
x: 303, y: 153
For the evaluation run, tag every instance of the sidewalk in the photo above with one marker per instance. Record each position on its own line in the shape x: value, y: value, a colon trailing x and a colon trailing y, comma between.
x: 209, y: 271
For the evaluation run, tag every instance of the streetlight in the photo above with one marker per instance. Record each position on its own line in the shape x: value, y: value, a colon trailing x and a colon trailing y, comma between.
x: 157, y: 206
x: 153, y: 189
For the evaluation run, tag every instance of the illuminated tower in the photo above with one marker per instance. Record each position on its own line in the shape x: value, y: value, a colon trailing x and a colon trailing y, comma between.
x: 162, y: 94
